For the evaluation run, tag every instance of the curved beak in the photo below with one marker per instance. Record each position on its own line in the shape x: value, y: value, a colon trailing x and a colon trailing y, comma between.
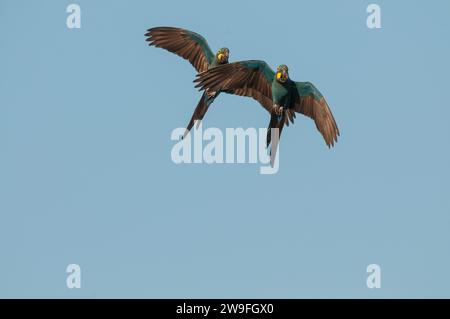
x: 282, y: 76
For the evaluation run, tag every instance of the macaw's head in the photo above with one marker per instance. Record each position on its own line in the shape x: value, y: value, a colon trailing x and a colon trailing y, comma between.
x: 282, y: 73
x: 222, y: 55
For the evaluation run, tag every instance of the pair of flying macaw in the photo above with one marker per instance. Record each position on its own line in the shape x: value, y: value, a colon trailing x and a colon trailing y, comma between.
x: 275, y: 91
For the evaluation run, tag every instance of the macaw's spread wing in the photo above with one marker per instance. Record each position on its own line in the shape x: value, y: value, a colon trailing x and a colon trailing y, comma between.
x: 310, y: 102
x: 185, y: 43
x: 246, y: 78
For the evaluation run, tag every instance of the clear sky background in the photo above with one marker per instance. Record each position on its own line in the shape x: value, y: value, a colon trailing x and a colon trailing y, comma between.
x: 86, y: 175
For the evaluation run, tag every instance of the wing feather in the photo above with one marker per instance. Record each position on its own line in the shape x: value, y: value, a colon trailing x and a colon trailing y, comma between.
x: 251, y: 78
x: 186, y: 44
x: 310, y: 102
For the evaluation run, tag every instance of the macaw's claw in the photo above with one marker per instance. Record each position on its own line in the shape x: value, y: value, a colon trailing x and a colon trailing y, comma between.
x: 210, y: 94
x: 278, y: 110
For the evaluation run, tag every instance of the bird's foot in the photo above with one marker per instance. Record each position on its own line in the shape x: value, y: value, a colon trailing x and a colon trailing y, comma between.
x: 278, y: 110
x: 210, y: 94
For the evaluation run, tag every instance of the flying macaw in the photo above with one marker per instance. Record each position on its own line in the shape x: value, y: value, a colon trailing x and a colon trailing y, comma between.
x: 194, y: 48
x: 276, y: 92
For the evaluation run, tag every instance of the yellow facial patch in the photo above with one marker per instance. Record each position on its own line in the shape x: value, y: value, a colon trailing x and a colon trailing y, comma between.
x: 279, y: 75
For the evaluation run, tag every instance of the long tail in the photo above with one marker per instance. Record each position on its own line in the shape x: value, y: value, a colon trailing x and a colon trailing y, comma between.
x: 273, y: 122
x: 277, y: 124
x: 279, y: 121
x: 199, y: 112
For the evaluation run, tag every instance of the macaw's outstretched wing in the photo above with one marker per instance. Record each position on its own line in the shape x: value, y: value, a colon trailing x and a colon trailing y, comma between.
x: 185, y: 43
x: 251, y: 78
x: 310, y: 102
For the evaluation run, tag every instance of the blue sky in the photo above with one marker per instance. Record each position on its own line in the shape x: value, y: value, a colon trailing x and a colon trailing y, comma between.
x: 86, y: 175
